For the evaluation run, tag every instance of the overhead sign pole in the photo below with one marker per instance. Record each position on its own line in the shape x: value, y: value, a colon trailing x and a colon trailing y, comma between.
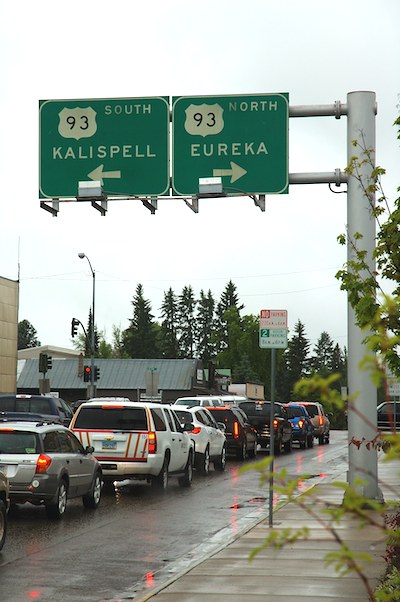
x: 362, y: 415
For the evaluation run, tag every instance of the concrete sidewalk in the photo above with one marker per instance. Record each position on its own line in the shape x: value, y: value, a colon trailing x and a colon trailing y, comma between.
x: 296, y: 572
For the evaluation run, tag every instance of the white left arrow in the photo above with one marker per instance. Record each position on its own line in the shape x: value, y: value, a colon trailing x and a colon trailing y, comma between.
x: 99, y: 174
x: 235, y: 172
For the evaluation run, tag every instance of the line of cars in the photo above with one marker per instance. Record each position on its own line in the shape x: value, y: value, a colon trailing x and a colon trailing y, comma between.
x: 115, y: 439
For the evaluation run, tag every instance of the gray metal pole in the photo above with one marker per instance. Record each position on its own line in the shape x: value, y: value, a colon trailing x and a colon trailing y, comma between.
x: 271, y: 440
x: 362, y: 416
x: 92, y: 375
x: 92, y: 338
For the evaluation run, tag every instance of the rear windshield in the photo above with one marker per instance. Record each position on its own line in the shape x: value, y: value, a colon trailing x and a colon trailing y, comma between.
x: 116, y: 419
x: 37, y: 405
x: 294, y: 412
x: 19, y: 442
x: 184, y: 416
x: 312, y: 411
x: 190, y: 403
x: 225, y: 416
x: 255, y: 409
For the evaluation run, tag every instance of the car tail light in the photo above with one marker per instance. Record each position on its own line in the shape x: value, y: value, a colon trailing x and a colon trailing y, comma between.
x: 320, y: 420
x: 301, y: 422
x: 275, y: 424
x: 43, y: 463
x: 152, y: 442
x: 196, y: 430
x: 110, y: 406
x: 236, y: 429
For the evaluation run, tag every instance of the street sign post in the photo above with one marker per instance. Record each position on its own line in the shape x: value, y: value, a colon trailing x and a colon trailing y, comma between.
x: 123, y: 143
x: 243, y: 139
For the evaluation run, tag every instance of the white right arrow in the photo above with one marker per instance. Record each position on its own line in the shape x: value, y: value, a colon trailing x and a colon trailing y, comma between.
x: 235, y: 172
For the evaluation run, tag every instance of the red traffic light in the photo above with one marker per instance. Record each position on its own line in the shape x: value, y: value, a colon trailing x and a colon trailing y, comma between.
x: 87, y: 372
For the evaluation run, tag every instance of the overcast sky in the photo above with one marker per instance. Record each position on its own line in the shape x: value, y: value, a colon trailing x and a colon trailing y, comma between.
x: 285, y: 258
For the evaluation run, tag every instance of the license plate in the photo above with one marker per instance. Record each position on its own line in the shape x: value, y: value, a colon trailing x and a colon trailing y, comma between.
x: 109, y: 444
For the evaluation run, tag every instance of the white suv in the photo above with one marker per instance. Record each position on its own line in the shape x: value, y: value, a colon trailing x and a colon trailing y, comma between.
x: 136, y: 440
x: 209, y: 438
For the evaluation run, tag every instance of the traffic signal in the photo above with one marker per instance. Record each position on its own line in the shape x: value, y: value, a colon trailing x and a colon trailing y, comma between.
x: 87, y: 373
x: 43, y: 363
x: 49, y: 362
x: 96, y: 373
x: 74, y: 327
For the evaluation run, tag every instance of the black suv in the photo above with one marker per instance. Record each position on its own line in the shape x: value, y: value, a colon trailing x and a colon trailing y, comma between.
x: 241, y: 438
x: 258, y: 414
x: 44, y: 406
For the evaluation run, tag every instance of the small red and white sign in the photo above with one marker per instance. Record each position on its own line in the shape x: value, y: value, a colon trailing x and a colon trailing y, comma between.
x: 273, y: 318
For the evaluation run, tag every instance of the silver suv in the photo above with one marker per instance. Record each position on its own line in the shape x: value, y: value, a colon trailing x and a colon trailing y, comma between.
x: 4, y: 505
x: 46, y: 464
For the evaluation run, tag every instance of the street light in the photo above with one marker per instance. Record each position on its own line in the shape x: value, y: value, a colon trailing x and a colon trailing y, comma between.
x: 92, y: 345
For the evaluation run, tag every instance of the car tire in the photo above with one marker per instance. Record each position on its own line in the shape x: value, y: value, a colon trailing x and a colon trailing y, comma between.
x: 321, y: 439
x: 161, y: 480
x: 56, y: 509
x: 288, y: 445
x: 92, y: 499
x: 241, y: 453
x: 310, y: 441
x: 253, y: 451
x: 327, y: 438
x: 303, y: 443
x: 3, y: 523
x: 220, y: 464
x: 203, y: 463
x: 277, y: 446
x: 187, y: 478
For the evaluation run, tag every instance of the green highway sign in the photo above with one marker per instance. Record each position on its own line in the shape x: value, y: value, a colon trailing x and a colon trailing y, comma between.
x: 123, y: 143
x: 243, y: 139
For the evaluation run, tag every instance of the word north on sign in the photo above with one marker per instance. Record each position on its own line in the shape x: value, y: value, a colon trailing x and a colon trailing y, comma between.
x: 123, y: 143
x: 242, y: 139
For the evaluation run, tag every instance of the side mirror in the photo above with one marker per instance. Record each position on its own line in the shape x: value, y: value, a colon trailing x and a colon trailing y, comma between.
x: 222, y: 426
x: 187, y: 427
x: 89, y: 449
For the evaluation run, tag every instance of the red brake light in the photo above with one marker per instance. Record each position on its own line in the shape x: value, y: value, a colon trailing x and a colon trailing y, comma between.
x: 236, y: 429
x: 111, y: 406
x: 275, y: 424
x: 43, y: 463
x: 301, y: 422
x: 320, y: 420
x: 196, y: 430
x: 152, y: 442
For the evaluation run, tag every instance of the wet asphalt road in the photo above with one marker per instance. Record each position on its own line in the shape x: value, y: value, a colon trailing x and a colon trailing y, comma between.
x: 138, y: 537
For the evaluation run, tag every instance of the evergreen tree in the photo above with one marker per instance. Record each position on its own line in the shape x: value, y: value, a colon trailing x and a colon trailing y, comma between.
x: 169, y: 345
x: 206, y: 327
x: 296, y: 358
x: 244, y: 372
x: 140, y: 338
x: 229, y: 299
x: 88, y: 340
x: 187, y: 322
x: 27, y: 335
x: 322, y: 360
